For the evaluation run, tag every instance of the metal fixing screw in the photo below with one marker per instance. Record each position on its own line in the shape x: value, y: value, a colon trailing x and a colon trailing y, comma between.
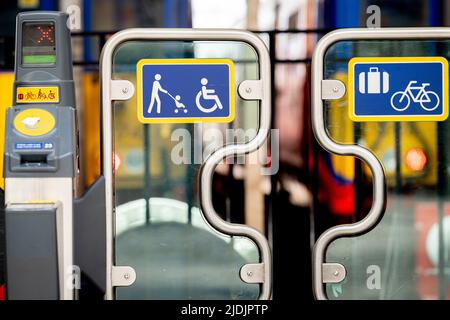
x: 249, y: 274
x: 126, y: 276
x: 336, y: 273
x: 248, y: 90
x: 335, y: 89
x: 125, y: 90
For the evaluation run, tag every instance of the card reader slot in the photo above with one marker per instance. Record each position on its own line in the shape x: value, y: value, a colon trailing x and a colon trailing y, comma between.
x: 33, y: 160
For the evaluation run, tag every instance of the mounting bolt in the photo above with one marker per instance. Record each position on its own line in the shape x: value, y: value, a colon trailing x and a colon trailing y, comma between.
x: 125, y: 90
x: 335, y: 89
x: 336, y: 273
x: 249, y: 274
x: 126, y: 276
x: 248, y: 90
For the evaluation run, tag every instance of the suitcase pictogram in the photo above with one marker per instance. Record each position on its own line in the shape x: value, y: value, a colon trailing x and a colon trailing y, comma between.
x: 373, y: 82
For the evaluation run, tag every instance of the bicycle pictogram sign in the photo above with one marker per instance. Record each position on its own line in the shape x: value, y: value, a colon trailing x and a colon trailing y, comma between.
x: 428, y: 100
x: 398, y: 89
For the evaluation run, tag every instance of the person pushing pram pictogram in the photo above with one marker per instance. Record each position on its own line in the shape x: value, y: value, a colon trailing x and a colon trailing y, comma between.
x: 178, y: 103
x: 154, y: 98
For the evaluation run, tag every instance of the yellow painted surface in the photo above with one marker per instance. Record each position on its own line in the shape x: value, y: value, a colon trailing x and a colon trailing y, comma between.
x: 128, y: 138
x: 6, y: 99
x: 37, y: 95
x: 42, y: 201
x: 341, y: 130
x: 91, y: 125
x: 129, y: 145
x: 34, y: 122
x: 28, y: 4
x: 380, y: 139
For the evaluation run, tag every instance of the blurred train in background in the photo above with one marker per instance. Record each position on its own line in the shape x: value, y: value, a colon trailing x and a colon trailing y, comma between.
x: 313, y: 190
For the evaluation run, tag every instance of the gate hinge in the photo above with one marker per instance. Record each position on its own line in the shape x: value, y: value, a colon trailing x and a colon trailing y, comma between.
x: 253, y: 273
x: 122, y: 276
x: 332, y: 89
x: 333, y: 272
x: 121, y: 89
x: 251, y: 89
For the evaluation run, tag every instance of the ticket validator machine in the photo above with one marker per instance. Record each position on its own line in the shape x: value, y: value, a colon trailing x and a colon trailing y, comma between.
x: 41, y: 161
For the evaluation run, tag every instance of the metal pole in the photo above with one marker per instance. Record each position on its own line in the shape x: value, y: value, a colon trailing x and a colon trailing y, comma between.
x: 147, y: 186
x: 441, y: 193
x: 273, y: 178
x: 271, y: 223
x: 190, y: 174
x: 398, y: 158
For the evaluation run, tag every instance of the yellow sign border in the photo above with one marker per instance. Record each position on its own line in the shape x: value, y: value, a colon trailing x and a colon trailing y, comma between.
x: 56, y: 100
x: 139, y: 109
x: 351, y: 89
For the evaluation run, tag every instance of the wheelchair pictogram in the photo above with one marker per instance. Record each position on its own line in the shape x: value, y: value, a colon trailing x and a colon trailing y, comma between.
x: 207, y: 94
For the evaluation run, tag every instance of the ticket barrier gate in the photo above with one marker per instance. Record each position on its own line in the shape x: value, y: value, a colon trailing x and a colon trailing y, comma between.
x: 399, y: 249
x: 53, y: 232
x: 131, y: 50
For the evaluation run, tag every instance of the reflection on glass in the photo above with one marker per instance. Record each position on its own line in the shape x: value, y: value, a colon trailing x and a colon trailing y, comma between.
x: 406, y: 256
x: 160, y: 230
x: 178, y: 259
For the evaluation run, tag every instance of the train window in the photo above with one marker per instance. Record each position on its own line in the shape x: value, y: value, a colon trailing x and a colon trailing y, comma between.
x: 160, y: 229
x: 405, y: 256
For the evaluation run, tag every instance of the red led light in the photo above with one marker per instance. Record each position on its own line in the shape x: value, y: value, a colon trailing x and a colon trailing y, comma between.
x: 45, y: 34
x: 416, y: 159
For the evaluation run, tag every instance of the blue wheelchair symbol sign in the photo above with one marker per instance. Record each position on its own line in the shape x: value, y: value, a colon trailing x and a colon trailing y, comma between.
x: 398, y: 89
x: 185, y: 90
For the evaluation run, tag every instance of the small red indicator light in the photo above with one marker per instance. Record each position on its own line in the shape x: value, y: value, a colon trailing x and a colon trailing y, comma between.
x: 416, y: 159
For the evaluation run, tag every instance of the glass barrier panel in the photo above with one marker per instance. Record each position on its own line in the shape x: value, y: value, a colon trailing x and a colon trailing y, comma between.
x: 405, y: 256
x: 159, y: 227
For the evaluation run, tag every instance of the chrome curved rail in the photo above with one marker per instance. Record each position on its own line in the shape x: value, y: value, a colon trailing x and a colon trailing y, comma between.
x: 209, y: 165
x: 317, y: 114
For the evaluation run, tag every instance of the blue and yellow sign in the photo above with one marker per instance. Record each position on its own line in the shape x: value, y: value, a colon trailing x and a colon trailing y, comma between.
x: 185, y: 90
x: 398, y: 89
